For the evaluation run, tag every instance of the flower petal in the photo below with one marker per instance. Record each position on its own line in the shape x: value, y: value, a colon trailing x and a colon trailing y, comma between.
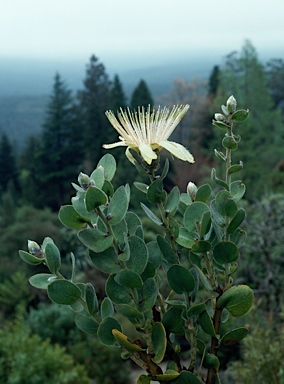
x: 147, y: 152
x: 177, y: 150
x: 129, y: 156
x: 113, y: 145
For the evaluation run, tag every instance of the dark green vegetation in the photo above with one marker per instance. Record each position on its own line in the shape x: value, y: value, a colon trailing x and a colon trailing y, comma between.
x: 35, y: 181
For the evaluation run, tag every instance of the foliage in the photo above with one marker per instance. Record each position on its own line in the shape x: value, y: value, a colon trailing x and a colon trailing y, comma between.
x: 117, y: 95
x: 262, y: 356
x: 94, y: 100
x: 29, y: 223
x: 56, y: 323
x: 10, y: 294
x: 262, y: 258
x: 243, y: 75
x: 275, y: 80
x: 197, y: 253
x: 141, y: 96
x: 26, y: 359
x: 8, y: 169
x: 61, y: 138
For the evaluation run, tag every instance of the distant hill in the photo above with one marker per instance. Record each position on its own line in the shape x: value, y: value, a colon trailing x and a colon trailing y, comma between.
x: 25, y: 86
x: 22, y: 116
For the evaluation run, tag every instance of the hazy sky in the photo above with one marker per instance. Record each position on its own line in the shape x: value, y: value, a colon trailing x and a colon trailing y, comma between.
x: 137, y: 29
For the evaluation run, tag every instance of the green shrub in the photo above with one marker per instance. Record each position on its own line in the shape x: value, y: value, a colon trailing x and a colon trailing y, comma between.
x: 26, y: 359
x: 102, y: 363
x: 14, y: 290
x: 262, y: 357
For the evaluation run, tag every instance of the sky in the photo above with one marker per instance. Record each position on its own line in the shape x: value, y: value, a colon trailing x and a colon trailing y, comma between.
x: 136, y: 32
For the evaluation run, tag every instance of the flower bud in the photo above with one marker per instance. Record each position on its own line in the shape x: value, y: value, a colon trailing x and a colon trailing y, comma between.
x: 220, y: 117
x: 231, y: 104
x: 34, y: 248
x: 84, y: 180
x: 191, y: 190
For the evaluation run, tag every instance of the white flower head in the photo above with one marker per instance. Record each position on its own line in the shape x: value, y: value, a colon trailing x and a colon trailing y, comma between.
x: 147, y: 132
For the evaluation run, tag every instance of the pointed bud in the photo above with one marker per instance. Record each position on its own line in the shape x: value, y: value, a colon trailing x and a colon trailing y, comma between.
x: 231, y: 104
x: 220, y: 117
x: 34, y: 248
x: 84, y: 180
x: 191, y: 190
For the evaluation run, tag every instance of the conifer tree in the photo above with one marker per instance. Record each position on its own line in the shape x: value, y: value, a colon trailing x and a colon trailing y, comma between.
x: 117, y: 96
x: 213, y: 81
x: 60, y: 157
x: 8, y: 167
x: 94, y: 100
x: 29, y: 170
x: 141, y: 96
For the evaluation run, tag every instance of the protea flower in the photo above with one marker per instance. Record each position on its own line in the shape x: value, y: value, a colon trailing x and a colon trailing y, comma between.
x: 147, y: 132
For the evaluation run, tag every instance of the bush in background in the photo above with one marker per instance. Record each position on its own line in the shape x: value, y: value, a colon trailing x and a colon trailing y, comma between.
x: 26, y: 359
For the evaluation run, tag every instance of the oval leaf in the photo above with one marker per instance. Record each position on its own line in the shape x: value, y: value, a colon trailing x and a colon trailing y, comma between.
x: 203, y: 193
x: 118, y: 205
x: 105, y: 261
x: 237, y: 190
x: 70, y: 218
x: 105, y: 330
x: 225, y: 252
x: 240, y: 115
x: 30, y: 259
x: 41, y: 280
x: 117, y: 293
x: 186, y: 377
x: 156, y: 193
x: 237, y: 300
x: 95, y: 240
x: 206, y: 323
x: 98, y: 177
x: 151, y: 215
x: 86, y: 324
x: 91, y: 299
x: 193, y: 215
x: 180, y: 279
x: 63, y: 292
x: 236, y: 221
x: 95, y: 197
x: 147, y: 295
x: 234, y: 336
x: 159, y: 340
x: 172, y: 202
x: 108, y: 163
x: 53, y: 258
x: 128, y: 278
x: 107, y: 309
x: 128, y: 311
x: 166, y: 250
x: 138, y: 254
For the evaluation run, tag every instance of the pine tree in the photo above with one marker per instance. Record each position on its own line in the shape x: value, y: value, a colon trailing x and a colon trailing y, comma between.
x: 117, y: 95
x: 60, y: 158
x: 29, y: 170
x: 94, y: 100
x: 8, y: 167
x: 213, y: 82
x: 141, y: 96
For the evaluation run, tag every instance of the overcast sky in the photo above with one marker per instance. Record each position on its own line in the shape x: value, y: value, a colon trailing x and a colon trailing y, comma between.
x: 133, y: 29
